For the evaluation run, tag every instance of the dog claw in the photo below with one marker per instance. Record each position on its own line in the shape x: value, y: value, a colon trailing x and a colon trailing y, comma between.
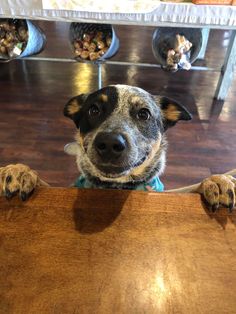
x: 214, y: 207
x: 8, y: 179
x: 8, y: 194
x: 231, y: 206
x: 23, y: 196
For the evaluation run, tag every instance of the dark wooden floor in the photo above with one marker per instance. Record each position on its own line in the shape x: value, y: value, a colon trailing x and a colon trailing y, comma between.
x: 32, y: 96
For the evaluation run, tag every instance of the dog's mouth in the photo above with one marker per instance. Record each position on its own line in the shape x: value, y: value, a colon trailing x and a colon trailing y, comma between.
x: 113, y: 171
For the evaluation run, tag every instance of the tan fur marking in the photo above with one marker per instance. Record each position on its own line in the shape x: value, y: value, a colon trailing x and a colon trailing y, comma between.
x: 79, y: 138
x: 103, y: 98
x: 73, y: 107
x: 171, y: 113
x: 140, y: 169
x: 135, y: 100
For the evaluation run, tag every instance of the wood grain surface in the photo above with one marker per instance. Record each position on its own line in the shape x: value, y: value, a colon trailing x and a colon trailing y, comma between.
x: 100, y: 251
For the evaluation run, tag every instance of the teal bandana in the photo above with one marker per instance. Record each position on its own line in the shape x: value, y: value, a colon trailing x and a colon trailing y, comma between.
x: 154, y: 185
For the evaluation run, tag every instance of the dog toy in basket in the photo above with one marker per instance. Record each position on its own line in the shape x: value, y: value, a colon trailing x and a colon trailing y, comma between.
x: 178, y: 56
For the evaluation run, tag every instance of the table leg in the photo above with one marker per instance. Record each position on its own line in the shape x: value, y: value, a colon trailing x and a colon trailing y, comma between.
x: 99, y: 75
x: 227, y: 71
x: 205, y: 36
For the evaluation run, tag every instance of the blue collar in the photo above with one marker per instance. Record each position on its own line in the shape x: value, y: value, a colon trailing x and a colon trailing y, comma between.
x: 154, y: 185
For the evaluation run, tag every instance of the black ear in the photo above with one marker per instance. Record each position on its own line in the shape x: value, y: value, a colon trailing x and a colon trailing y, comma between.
x: 172, y: 112
x: 74, y: 105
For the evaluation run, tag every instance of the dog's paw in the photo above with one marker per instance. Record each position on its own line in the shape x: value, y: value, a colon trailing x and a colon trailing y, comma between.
x: 19, y: 179
x: 219, y: 190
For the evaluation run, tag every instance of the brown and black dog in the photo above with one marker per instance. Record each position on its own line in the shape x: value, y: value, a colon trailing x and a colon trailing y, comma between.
x: 120, y: 144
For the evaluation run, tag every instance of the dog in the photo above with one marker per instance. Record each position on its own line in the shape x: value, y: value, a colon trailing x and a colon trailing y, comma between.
x: 121, y: 144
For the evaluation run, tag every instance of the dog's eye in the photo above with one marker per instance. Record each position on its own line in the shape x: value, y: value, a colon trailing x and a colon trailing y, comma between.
x: 94, y: 111
x: 143, y: 114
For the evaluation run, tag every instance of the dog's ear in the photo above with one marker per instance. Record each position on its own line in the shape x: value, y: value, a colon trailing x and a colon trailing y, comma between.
x: 73, y: 107
x: 172, y: 111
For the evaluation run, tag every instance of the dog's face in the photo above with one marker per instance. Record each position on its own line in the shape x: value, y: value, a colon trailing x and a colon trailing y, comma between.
x: 120, y: 136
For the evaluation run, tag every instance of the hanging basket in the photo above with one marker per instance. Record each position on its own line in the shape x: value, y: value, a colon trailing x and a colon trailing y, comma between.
x: 164, y: 40
x: 36, y: 41
x: 79, y: 30
x: 34, y: 44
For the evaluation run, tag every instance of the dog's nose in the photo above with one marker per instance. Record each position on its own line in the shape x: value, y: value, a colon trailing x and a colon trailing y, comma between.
x: 110, y: 145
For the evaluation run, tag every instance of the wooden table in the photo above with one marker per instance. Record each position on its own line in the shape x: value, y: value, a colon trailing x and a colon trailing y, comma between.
x: 88, y: 251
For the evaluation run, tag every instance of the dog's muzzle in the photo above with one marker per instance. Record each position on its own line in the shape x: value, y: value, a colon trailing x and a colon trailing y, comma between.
x: 111, y: 147
x: 113, y: 154
x: 112, y: 151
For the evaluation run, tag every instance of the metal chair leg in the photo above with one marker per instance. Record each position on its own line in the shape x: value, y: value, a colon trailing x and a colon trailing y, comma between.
x: 227, y: 71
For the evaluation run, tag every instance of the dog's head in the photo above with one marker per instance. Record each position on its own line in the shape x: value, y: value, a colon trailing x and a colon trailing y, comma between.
x: 120, y: 136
